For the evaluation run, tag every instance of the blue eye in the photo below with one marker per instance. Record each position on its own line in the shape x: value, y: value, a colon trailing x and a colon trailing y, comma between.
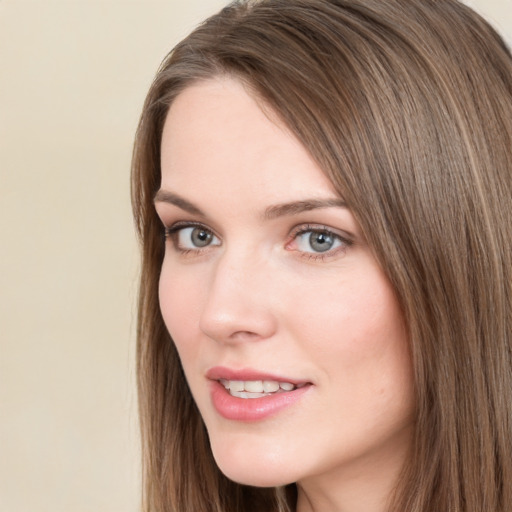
x: 190, y: 238
x: 317, y: 241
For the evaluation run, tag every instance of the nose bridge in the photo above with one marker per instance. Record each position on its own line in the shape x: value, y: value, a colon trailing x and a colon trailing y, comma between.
x: 236, y: 305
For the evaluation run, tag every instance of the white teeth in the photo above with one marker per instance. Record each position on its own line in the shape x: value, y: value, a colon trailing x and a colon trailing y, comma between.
x: 246, y: 394
x: 236, y: 385
x: 255, y: 388
x: 270, y: 386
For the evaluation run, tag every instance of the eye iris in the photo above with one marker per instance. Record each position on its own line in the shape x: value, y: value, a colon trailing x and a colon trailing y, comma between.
x: 201, y: 237
x: 320, y: 242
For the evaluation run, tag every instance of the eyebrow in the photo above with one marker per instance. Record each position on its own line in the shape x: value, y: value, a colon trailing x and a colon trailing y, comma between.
x: 164, y: 196
x: 295, y: 207
x: 272, y: 212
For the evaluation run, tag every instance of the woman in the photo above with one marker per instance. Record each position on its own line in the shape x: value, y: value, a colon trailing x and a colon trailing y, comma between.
x: 323, y: 193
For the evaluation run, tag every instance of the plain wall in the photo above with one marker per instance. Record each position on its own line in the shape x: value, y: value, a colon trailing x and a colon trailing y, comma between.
x: 73, y: 76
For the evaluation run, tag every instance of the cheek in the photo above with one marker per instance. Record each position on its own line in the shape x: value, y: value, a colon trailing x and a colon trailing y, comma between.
x: 359, y: 315
x: 180, y: 305
x: 357, y: 335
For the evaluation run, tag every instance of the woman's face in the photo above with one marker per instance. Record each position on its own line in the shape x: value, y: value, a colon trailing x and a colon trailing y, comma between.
x: 268, y: 287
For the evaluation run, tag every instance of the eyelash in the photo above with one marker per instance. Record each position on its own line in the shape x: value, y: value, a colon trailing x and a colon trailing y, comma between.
x: 171, y: 233
x: 345, y: 241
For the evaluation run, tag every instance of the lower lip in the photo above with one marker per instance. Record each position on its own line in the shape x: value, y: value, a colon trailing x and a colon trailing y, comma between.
x: 252, y: 409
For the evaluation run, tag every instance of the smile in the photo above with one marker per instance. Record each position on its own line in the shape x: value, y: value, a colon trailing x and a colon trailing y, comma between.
x: 252, y: 395
x: 256, y: 388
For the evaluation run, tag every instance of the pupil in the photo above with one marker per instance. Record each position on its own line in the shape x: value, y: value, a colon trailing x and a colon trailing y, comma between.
x: 320, y: 242
x: 200, y: 237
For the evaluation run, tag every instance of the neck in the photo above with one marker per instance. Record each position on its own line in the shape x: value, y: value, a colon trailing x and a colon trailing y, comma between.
x: 364, y: 485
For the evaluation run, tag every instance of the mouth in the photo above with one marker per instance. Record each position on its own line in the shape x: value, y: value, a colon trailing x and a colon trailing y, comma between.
x: 257, y: 388
x: 251, y: 395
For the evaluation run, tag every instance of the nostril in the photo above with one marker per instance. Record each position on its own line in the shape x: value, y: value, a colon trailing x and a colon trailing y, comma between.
x: 245, y: 336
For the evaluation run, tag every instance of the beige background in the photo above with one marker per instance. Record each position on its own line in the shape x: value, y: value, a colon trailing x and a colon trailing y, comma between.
x: 73, y: 75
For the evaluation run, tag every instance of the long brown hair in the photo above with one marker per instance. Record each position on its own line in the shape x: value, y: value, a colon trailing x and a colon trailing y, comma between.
x: 407, y: 107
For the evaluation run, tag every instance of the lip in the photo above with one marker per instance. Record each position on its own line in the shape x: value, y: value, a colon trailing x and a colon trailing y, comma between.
x: 222, y: 372
x: 251, y: 409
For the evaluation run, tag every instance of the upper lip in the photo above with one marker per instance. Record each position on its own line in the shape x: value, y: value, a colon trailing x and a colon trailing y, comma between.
x: 245, y: 374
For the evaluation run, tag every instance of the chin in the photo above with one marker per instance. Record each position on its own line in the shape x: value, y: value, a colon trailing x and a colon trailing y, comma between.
x: 252, y: 464
x: 242, y: 474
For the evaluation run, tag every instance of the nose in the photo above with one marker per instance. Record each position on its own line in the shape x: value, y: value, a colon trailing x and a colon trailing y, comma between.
x: 238, y: 302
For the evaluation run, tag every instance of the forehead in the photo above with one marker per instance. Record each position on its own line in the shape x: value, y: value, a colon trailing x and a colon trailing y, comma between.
x: 216, y: 132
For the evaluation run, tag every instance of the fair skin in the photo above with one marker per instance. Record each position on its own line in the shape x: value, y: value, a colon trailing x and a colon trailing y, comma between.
x: 251, y: 289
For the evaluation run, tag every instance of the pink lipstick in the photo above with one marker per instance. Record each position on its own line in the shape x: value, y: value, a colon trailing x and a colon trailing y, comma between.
x: 249, y: 395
